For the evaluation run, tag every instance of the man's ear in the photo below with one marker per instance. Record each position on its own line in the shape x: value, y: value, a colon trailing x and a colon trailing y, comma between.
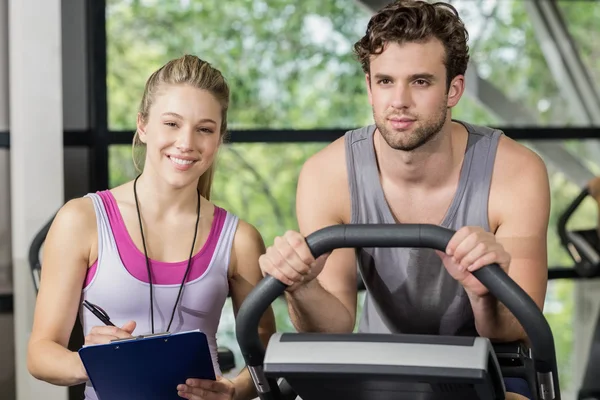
x: 456, y: 90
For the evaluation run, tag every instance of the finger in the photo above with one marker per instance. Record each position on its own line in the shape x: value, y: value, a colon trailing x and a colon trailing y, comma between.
x: 269, y: 268
x: 129, y: 327
x: 195, y: 393
x: 298, y: 243
x: 479, y: 250
x: 206, y: 384
x: 494, y: 255
x: 458, y: 237
x: 468, y: 244
x: 98, y: 339
x: 288, y: 255
x: 111, y: 331
x: 293, y: 272
x: 487, y: 258
x: 441, y: 254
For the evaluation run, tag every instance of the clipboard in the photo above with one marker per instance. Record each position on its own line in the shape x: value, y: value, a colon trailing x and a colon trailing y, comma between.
x: 147, y: 367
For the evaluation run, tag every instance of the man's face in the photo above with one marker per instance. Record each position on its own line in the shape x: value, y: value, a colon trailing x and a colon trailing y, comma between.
x: 407, y: 90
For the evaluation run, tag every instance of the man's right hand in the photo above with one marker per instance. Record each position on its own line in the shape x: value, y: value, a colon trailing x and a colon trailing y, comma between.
x: 104, y: 334
x: 290, y: 261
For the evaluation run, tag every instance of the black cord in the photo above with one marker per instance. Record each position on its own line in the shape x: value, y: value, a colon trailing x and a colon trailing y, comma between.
x: 187, y: 270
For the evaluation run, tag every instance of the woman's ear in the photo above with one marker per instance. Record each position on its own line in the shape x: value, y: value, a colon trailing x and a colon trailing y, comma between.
x: 141, y: 128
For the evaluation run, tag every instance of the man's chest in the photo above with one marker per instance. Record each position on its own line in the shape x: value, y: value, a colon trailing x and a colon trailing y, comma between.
x: 419, y: 206
x: 435, y: 206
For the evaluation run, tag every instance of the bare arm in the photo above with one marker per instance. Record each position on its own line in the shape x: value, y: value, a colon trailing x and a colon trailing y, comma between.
x: 523, y: 206
x: 327, y: 303
x: 64, y: 265
x: 248, y: 247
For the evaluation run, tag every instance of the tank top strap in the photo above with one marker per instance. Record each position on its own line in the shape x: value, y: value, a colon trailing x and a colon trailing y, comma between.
x: 363, y: 176
x: 223, y: 248
x: 106, y: 239
x: 481, y: 154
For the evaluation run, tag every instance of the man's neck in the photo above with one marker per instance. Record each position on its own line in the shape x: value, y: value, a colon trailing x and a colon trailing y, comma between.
x: 158, y: 198
x: 431, y: 165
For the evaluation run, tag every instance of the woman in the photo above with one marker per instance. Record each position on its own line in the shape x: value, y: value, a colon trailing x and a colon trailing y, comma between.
x: 129, y: 249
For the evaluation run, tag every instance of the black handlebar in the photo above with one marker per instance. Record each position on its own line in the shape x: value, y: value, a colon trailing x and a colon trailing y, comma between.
x: 566, y: 215
x: 403, y: 235
x: 582, y: 245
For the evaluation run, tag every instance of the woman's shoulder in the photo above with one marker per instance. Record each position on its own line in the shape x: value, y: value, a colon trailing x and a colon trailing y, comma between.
x: 76, y: 218
x: 78, y: 209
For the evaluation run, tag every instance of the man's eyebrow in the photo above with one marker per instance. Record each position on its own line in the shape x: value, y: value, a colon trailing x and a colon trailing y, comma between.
x: 423, y: 75
x: 379, y: 76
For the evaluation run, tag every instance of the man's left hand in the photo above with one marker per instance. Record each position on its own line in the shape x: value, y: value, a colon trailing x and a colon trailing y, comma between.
x: 205, y: 389
x: 470, y: 249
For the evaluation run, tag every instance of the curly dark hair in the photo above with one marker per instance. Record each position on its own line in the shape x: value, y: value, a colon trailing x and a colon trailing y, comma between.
x: 417, y: 21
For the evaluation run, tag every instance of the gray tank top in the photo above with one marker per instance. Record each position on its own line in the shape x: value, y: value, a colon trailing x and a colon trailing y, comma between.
x: 409, y: 290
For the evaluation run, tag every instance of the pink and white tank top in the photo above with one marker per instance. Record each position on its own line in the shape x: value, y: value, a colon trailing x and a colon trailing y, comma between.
x: 118, y: 281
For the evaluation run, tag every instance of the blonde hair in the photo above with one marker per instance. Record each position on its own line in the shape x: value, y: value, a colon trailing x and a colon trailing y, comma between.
x: 186, y: 70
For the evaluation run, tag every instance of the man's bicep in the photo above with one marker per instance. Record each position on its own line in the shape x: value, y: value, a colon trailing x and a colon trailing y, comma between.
x: 523, y: 231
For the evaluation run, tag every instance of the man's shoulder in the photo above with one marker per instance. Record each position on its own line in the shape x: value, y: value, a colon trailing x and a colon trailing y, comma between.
x: 511, y: 155
x: 331, y: 160
x: 516, y: 159
x: 520, y: 179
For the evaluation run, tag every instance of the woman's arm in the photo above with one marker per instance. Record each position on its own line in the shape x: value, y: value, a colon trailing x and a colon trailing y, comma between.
x: 64, y: 264
x: 245, y: 274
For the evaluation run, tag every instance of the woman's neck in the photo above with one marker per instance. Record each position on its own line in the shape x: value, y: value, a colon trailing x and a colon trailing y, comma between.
x: 161, y: 199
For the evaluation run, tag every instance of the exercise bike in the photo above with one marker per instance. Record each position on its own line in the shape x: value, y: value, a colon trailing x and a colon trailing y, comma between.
x: 584, y: 248
x: 360, y: 366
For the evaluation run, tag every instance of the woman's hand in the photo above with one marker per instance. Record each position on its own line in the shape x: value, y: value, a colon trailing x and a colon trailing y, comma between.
x: 104, y: 334
x: 206, y: 389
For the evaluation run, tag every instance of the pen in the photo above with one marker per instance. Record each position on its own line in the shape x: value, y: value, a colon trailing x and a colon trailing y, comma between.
x: 98, y: 312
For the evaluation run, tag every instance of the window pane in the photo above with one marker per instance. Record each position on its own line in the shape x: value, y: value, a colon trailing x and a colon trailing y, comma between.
x: 581, y: 18
x: 289, y: 63
x: 506, y: 53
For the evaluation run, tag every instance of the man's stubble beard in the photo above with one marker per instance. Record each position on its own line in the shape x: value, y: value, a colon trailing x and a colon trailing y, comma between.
x: 422, y: 134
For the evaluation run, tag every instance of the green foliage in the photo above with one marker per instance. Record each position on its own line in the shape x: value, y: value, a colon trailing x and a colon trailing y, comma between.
x: 290, y: 65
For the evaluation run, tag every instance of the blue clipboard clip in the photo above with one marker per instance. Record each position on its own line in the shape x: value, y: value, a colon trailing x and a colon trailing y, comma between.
x: 147, y: 366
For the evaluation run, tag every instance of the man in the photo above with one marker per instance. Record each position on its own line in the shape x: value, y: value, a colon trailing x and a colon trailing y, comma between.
x: 417, y: 165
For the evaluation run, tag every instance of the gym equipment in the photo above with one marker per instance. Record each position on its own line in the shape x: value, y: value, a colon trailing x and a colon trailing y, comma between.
x: 225, y: 356
x: 359, y: 366
x: 584, y: 247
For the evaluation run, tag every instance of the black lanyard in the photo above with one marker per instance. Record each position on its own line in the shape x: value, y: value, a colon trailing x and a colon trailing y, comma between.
x: 148, y: 260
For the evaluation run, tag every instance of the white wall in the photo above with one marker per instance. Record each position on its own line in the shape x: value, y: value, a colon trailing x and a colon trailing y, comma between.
x: 36, y: 168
